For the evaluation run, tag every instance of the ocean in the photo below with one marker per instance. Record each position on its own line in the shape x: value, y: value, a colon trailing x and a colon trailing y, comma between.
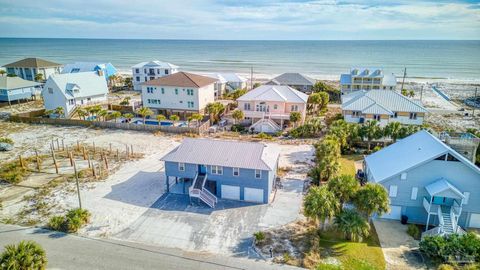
x: 455, y: 60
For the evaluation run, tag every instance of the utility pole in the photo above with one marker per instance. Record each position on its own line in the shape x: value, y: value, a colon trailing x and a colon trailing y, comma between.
x: 404, y: 75
x: 251, y: 78
x: 421, y: 93
x: 78, y: 187
x: 474, y: 102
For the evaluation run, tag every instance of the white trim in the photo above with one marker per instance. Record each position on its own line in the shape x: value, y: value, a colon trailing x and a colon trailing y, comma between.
x: 467, y: 197
x: 403, y: 176
x: 181, y: 166
x: 413, y: 196
x: 259, y: 172
x: 393, y: 190
x: 218, y: 170
x: 237, y: 170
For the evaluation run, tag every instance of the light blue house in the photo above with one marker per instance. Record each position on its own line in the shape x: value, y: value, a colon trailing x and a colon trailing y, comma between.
x: 107, y: 68
x: 16, y: 88
x: 207, y: 169
x: 428, y: 182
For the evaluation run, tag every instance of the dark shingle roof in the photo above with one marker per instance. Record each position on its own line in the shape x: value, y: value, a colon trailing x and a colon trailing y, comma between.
x: 33, y: 62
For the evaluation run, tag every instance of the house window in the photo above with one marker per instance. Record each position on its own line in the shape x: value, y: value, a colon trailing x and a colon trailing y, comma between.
x: 403, y: 176
x: 217, y: 170
x: 376, y: 117
x: 413, y: 116
x: 356, y: 113
x: 137, y: 79
x: 166, y: 71
x: 163, y: 91
x: 246, y: 106
x: 294, y: 108
x: 137, y: 71
x: 75, y: 70
x: 414, y: 193
x: 395, y: 115
x: 50, y: 90
x: 181, y: 166
x: 146, y: 79
x: 71, y: 101
x: 258, y: 174
x: 145, y: 70
x: 393, y: 191
x: 176, y: 91
x: 275, y: 106
x: 236, y: 171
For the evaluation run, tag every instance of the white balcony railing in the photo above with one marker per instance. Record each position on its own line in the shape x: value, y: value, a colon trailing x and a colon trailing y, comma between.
x: 257, y: 114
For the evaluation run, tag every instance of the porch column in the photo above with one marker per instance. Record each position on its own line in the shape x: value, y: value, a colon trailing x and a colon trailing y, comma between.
x: 168, y: 184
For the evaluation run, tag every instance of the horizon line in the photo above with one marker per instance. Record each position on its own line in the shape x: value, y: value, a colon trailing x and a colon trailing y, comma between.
x: 182, y: 39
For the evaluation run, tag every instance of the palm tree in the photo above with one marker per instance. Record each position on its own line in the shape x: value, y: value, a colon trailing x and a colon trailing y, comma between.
x: 174, y: 118
x: 320, y: 204
x: 39, y: 77
x: 82, y: 113
x: 24, y: 256
x: 393, y: 130
x: 102, y: 113
x: 371, y: 130
x: 2, y: 72
x: 327, y: 155
x: 411, y: 93
x: 128, y: 116
x: 295, y: 117
x: 313, y: 101
x: 160, y: 118
x: 196, y: 117
x: 144, y: 112
x: 115, y: 115
x: 238, y: 115
x: 93, y: 110
x: 404, y: 92
x: 215, y: 109
x: 372, y: 198
x: 340, y: 130
x: 353, y: 226
x: 60, y: 111
x: 344, y: 187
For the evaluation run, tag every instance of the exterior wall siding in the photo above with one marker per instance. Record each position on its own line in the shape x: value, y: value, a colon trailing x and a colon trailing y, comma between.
x: 458, y: 174
x: 246, y: 178
x: 170, y: 100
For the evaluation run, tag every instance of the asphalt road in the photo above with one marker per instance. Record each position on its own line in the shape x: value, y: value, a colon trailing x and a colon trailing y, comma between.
x: 75, y: 252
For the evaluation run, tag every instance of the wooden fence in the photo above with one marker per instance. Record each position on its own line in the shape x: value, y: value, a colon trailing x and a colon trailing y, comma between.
x: 34, y: 118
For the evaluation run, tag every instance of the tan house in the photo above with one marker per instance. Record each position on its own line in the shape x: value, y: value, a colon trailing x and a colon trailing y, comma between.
x: 180, y: 92
x: 383, y: 106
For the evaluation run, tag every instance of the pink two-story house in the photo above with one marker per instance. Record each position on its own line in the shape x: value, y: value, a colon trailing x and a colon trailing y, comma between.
x: 268, y: 107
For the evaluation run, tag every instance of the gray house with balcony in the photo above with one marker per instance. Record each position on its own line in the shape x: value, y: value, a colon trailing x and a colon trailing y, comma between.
x: 428, y: 182
x: 210, y: 169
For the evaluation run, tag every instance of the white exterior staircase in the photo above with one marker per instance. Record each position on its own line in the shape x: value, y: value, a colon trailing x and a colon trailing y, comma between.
x: 198, y: 190
x: 447, y: 220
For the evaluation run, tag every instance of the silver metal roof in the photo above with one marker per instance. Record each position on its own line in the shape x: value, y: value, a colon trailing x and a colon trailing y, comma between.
x: 281, y: 93
x: 293, y: 79
x: 380, y: 102
x: 235, y: 154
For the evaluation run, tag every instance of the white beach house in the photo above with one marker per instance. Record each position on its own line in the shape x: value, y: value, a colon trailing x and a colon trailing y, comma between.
x: 28, y: 68
x: 227, y: 82
x: 146, y: 71
x: 181, y: 92
x: 367, y: 79
x: 74, y: 89
x: 268, y: 107
x: 383, y: 106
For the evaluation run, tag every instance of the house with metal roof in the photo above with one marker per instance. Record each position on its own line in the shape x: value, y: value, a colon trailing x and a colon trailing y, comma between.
x: 428, y: 182
x: 16, y: 88
x: 181, y: 92
x: 226, y: 82
x: 71, y: 90
x: 268, y: 107
x: 151, y: 70
x: 367, y: 79
x: 209, y: 169
x: 383, y: 106
x: 107, y: 68
x: 295, y: 80
x: 28, y: 68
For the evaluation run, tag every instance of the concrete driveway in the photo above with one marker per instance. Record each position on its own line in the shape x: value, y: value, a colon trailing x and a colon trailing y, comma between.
x: 399, y: 248
x: 173, y: 222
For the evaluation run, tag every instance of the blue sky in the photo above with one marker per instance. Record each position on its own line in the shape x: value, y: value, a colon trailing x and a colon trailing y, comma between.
x: 247, y: 19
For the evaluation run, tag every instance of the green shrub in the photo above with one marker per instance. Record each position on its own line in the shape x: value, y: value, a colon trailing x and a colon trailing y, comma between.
x: 445, y: 267
x: 12, y: 172
x: 414, y: 231
x: 263, y: 136
x: 325, y: 266
x: 24, y: 256
x: 238, y: 128
x: 259, y: 236
x: 74, y: 224
x: 82, y: 214
x: 377, y: 148
x: 57, y: 223
x: 442, y: 249
x: 287, y: 257
x: 6, y: 140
